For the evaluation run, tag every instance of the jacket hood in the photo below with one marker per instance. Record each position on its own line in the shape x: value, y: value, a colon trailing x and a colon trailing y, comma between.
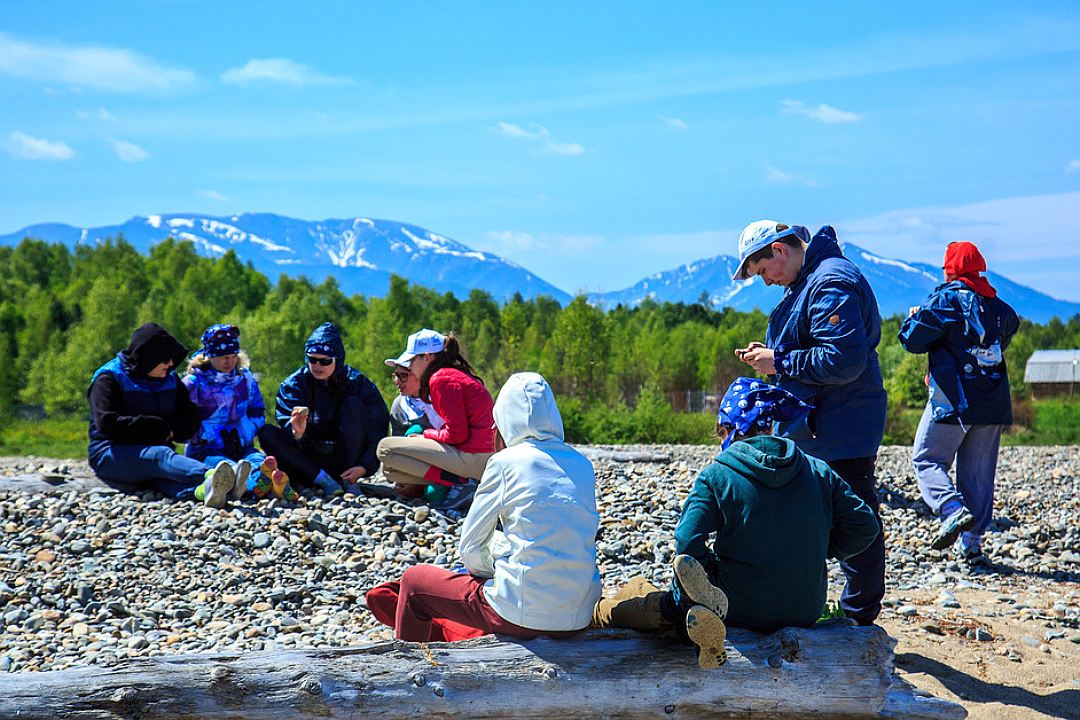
x: 822, y: 247
x: 326, y: 340
x: 150, y: 346
x: 765, y: 459
x: 526, y: 409
x: 964, y: 262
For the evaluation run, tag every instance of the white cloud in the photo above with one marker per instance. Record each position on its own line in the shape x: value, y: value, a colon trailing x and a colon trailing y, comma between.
x: 280, y: 70
x: 214, y: 195
x: 104, y: 68
x: 1073, y: 166
x: 99, y: 114
x: 21, y: 145
x: 674, y: 123
x: 541, y: 136
x: 822, y: 113
x: 781, y: 177
x: 128, y: 152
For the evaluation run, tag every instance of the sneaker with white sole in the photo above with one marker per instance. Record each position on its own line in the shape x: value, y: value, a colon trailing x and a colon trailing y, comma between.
x: 960, y: 521
x: 707, y: 630
x: 695, y: 583
x: 242, y: 471
x: 218, y: 484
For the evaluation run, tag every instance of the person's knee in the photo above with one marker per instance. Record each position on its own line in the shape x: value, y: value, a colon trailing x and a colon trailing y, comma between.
x: 384, y: 450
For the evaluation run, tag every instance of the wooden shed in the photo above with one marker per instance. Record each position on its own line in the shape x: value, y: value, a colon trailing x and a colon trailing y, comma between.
x: 1053, y: 373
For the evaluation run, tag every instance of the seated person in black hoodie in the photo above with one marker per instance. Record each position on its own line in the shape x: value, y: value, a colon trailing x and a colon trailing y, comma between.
x: 138, y: 409
x: 331, y: 418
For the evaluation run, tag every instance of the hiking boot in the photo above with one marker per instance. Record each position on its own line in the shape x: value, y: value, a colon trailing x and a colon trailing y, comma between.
x: 635, y: 605
x: 960, y: 521
x: 242, y: 471
x: 706, y: 630
x: 695, y: 583
x: 215, y: 489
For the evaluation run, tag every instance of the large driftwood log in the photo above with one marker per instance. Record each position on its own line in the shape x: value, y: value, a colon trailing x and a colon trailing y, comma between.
x: 840, y: 672
x: 623, y: 456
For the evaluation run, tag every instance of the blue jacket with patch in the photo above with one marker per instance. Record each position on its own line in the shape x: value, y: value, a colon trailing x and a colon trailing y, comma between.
x: 966, y: 335
x: 824, y: 333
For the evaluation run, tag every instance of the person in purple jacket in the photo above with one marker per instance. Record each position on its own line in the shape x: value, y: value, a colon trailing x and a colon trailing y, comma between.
x: 230, y: 405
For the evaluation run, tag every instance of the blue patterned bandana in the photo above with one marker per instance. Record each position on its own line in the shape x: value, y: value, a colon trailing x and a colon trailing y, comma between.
x: 750, y: 403
x: 313, y: 348
x: 221, y: 340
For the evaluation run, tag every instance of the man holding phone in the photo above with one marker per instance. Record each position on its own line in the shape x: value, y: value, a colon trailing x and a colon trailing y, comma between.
x: 821, y: 346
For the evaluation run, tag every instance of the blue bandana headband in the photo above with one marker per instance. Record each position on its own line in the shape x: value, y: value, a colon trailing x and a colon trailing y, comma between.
x: 319, y: 349
x: 220, y: 340
x: 750, y: 403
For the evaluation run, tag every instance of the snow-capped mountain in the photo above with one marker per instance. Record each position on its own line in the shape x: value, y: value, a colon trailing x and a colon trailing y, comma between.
x: 360, y: 253
x: 897, y: 284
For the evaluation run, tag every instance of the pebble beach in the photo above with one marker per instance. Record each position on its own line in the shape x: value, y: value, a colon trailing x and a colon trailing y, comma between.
x: 89, y: 576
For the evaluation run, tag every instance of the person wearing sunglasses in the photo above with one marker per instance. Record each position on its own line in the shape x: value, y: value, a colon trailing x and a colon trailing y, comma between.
x: 138, y: 410
x: 330, y: 418
x: 409, y: 415
x: 226, y: 392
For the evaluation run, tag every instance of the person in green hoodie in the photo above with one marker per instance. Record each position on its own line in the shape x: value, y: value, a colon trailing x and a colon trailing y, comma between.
x: 776, y: 514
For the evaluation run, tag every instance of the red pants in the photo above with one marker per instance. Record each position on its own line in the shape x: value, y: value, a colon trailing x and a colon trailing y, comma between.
x: 432, y: 604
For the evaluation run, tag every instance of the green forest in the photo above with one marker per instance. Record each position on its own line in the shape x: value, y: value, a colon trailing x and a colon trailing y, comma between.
x: 621, y: 375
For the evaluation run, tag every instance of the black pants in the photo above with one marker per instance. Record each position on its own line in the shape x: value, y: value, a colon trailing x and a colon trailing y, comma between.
x: 303, y: 461
x: 865, y: 572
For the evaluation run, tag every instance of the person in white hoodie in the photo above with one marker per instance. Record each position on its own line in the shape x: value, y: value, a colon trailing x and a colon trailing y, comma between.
x: 539, y: 575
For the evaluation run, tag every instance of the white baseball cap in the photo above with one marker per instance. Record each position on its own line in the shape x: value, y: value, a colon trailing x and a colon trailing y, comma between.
x: 761, y: 234
x: 424, y: 341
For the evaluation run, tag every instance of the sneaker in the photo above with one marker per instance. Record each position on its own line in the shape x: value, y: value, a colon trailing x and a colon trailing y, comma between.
x: 706, y: 630
x: 329, y: 486
x: 971, y: 555
x: 951, y: 527
x: 217, y: 485
x: 457, y: 497
x: 695, y: 583
x: 242, y: 471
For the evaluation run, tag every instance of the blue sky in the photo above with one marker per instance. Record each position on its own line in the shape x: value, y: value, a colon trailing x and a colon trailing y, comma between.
x: 593, y: 143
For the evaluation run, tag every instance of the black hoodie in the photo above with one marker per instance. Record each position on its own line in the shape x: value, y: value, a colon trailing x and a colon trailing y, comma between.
x: 127, y: 407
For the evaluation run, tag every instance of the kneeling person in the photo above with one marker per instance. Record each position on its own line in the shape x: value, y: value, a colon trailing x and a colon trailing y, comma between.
x: 776, y: 513
x: 544, y: 580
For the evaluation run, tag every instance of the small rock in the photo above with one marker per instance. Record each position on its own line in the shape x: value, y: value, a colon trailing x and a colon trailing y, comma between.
x: 1030, y: 641
x: 260, y: 540
x: 45, y: 556
x: 907, y: 611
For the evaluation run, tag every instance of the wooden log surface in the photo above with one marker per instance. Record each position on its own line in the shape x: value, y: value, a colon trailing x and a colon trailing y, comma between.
x: 839, y: 672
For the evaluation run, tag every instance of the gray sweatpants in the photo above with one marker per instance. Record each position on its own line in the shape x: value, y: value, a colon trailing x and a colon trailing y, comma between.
x: 974, y: 448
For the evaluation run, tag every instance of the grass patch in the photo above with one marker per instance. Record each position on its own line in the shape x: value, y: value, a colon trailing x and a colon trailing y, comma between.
x: 59, y: 436
x: 1056, y: 422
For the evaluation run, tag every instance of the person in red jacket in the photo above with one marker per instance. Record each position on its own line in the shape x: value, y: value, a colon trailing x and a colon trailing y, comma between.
x: 459, y: 450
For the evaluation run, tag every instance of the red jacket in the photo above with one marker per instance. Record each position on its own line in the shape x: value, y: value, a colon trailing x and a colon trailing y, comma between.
x: 465, y: 404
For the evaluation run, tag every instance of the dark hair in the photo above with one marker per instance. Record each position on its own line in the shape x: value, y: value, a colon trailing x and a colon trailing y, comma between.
x: 449, y: 356
x: 766, y: 253
x: 754, y: 431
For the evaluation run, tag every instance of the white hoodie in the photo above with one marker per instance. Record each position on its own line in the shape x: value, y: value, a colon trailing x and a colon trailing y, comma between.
x: 544, y: 494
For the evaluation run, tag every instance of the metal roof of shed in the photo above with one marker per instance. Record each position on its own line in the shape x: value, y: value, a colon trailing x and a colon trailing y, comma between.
x: 1053, y: 366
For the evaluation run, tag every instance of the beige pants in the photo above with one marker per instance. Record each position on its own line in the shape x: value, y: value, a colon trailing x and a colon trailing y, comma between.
x: 636, y: 605
x: 407, y: 459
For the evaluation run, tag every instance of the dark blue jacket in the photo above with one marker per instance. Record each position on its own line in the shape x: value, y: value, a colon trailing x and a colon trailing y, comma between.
x: 825, y: 332
x: 966, y: 335
x: 324, y: 398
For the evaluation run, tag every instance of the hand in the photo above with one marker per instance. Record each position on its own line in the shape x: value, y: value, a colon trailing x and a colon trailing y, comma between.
x: 741, y: 352
x: 298, y: 422
x: 761, y: 359
x: 354, y: 474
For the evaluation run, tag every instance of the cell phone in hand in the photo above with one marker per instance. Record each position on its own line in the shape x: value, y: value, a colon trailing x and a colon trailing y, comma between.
x: 300, y: 410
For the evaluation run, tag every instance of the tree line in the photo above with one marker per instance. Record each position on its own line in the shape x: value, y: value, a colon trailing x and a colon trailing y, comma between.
x: 65, y: 312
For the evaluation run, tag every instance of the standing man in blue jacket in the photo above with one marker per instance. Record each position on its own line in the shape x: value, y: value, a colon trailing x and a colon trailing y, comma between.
x: 821, y: 346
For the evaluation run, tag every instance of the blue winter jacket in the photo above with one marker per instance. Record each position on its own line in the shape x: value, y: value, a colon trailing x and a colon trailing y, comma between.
x: 231, y: 408
x: 323, y: 400
x: 825, y: 332
x: 966, y: 335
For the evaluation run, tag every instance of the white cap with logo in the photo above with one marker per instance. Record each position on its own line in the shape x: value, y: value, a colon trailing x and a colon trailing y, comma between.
x: 424, y: 341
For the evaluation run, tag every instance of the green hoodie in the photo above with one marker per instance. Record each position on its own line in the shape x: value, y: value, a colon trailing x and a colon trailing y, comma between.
x: 777, y: 514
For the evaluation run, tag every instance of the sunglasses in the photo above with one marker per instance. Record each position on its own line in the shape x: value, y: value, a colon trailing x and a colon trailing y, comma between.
x: 401, y: 375
x: 323, y: 361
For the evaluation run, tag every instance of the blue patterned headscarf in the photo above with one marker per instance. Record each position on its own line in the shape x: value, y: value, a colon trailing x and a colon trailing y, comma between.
x: 220, y: 340
x: 750, y: 403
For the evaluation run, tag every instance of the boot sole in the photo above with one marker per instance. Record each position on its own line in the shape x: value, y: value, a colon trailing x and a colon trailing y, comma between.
x: 946, y: 539
x: 695, y: 583
x: 243, y: 471
x: 221, y: 484
x: 708, y: 632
